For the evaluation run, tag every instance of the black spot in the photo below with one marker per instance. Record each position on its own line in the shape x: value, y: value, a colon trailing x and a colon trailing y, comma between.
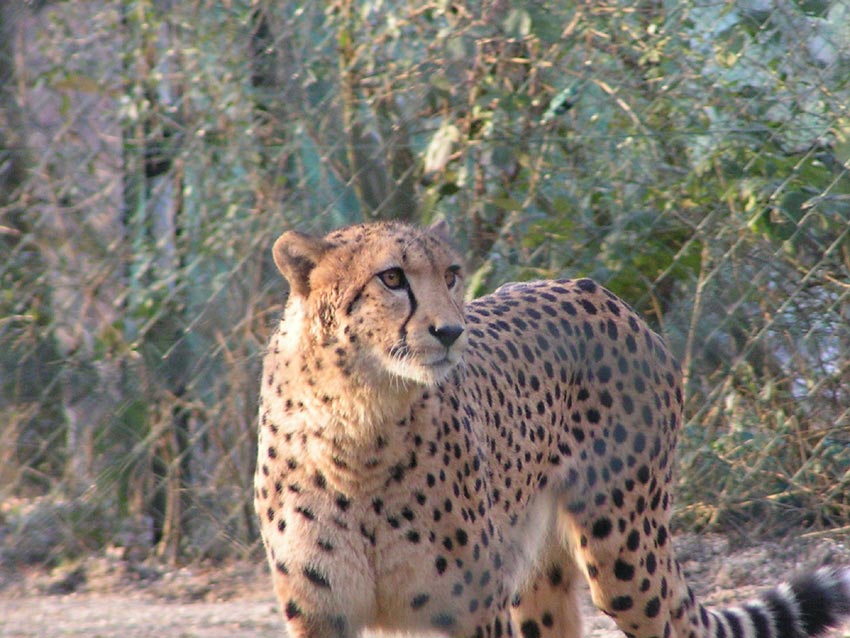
x: 292, y: 610
x: 461, y: 537
x: 397, y: 473
x: 601, y: 528
x: 633, y: 541
x: 620, y: 433
x: 440, y: 564
x: 370, y: 536
x: 651, y: 563
x: 587, y: 285
x: 316, y: 577
x: 442, y: 621
x: 576, y: 507
x: 413, y: 536
x: 529, y: 629
x: 555, y: 575
x: 656, y: 500
x: 590, y: 309
x: 598, y: 352
x: 623, y: 570
x: 419, y: 601
x: 617, y: 497
x: 281, y: 567
x: 653, y: 607
x: 306, y: 512
x: 342, y: 502
x: 621, y: 603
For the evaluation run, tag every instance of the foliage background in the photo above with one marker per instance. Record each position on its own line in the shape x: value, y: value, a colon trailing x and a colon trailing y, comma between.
x: 692, y: 156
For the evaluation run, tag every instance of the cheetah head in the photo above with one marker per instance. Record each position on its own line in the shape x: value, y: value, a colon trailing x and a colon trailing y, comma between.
x: 379, y: 300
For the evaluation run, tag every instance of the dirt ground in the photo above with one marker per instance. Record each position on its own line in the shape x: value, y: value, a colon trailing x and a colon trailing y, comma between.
x: 105, y: 597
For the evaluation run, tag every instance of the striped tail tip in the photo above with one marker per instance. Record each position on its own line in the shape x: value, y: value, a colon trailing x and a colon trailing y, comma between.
x: 823, y: 598
x: 805, y: 607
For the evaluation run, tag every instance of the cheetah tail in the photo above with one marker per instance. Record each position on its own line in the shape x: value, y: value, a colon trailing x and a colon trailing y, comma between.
x: 805, y: 607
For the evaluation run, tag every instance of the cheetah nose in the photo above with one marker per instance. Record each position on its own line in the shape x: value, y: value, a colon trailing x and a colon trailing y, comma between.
x: 446, y: 335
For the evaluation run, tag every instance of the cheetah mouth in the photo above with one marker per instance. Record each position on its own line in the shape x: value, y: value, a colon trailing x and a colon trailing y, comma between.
x: 423, y: 357
x: 445, y: 361
x: 423, y: 364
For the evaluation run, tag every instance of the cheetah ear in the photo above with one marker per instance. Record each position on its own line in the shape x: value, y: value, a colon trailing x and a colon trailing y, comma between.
x: 295, y: 255
x: 441, y: 229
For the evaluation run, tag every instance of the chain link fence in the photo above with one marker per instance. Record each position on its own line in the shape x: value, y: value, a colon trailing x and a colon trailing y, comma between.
x: 691, y: 156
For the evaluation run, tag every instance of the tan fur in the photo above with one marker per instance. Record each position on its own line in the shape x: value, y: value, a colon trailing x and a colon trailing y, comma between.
x: 429, y: 466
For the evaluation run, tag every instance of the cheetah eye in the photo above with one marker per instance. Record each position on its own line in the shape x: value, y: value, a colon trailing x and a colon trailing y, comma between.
x: 393, y: 278
x: 452, y: 276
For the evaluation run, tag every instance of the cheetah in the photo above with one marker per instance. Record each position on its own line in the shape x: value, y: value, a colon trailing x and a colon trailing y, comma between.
x: 430, y: 465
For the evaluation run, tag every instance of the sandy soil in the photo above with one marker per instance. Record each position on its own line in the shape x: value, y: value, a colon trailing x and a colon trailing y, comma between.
x: 105, y: 597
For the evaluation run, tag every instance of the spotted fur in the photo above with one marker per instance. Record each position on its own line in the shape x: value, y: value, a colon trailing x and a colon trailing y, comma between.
x: 426, y: 464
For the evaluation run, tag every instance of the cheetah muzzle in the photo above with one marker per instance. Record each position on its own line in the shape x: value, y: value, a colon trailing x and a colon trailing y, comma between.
x: 431, y: 465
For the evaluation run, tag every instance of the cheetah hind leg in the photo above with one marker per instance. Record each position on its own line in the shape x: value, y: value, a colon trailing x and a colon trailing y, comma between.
x: 631, y: 571
x: 635, y: 578
x: 548, y: 606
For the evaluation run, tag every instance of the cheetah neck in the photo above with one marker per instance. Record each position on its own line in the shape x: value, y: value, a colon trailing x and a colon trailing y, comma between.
x: 352, y: 405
